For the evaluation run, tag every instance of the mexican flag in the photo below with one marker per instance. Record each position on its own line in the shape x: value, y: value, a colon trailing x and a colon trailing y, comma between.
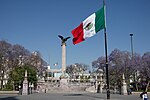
x: 89, y: 27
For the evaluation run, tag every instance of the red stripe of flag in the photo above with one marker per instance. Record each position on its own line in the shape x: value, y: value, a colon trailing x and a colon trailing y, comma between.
x: 78, y: 34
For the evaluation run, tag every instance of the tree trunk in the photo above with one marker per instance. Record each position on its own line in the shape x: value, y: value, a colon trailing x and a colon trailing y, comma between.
x: 136, y: 85
x: 2, y: 84
x: 147, y: 86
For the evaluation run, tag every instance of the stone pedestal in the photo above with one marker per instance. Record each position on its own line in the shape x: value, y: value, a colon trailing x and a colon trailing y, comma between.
x: 64, y: 81
x: 124, y: 86
x: 25, y: 85
x: 91, y: 89
x: 64, y: 84
x: 41, y: 86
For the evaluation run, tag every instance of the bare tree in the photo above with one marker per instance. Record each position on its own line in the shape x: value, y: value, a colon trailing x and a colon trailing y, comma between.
x: 76, y: 68
x: 145, y: 71
x: 12, y: 56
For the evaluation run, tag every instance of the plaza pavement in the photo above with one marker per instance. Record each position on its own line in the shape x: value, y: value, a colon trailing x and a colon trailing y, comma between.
x: 69, y: 96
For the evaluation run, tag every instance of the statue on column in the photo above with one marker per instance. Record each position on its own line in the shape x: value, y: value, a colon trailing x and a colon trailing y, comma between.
x: 63, y: 44
x: 63, y: 40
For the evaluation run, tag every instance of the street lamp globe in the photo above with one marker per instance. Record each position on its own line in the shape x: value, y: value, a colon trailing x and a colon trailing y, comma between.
x: 131, y: 34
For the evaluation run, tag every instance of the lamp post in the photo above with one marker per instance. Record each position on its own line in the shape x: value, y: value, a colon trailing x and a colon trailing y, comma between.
x: 2, y: 75
x: 135, y: 75
x: 19, y: 89
x: 30, y: 87
x: 29, y: 91
x: 131, y: 35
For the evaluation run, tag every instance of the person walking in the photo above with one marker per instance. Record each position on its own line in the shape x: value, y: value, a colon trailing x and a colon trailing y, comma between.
x: 144, y: 96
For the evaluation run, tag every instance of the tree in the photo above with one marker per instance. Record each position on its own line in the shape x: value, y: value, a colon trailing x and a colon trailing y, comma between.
x: 135, y: 64
x: 4, y: 48
x: 14, y: 56
x: 136, y: 69
x: 145, y: 71
x: 76, y: 68
x: 18, y: 73
x: 119, y: 64
x: 99, y: 63
x: 38, y: 62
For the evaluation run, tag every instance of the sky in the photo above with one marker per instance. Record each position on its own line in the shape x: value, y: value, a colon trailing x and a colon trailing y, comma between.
x: 36, y: 24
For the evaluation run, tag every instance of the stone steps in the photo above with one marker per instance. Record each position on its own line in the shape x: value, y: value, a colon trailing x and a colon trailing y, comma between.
x: 9, y: 92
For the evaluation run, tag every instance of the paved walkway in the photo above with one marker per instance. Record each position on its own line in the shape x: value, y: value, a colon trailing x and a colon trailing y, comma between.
x: 69, y: 96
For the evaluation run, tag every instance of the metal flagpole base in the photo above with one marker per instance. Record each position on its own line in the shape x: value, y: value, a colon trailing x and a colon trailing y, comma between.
x: 108, y: 94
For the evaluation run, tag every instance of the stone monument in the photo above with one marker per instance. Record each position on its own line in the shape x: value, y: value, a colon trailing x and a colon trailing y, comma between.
x: 25, y: 85
x: 63, y: 79
x: 63, y: 44
x: 124, y: 86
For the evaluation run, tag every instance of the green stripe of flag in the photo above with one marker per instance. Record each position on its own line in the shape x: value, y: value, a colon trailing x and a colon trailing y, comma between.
x: 100, y: 20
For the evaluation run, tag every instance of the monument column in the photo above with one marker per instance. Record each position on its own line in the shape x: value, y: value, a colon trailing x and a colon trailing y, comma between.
x: 124, y: 86
x: 63, y: 58
x: 63, y: 44
x: 25, y: 85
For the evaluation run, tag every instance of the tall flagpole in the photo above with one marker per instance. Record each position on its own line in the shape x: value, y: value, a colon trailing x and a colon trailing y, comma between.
x: 107, y: 74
